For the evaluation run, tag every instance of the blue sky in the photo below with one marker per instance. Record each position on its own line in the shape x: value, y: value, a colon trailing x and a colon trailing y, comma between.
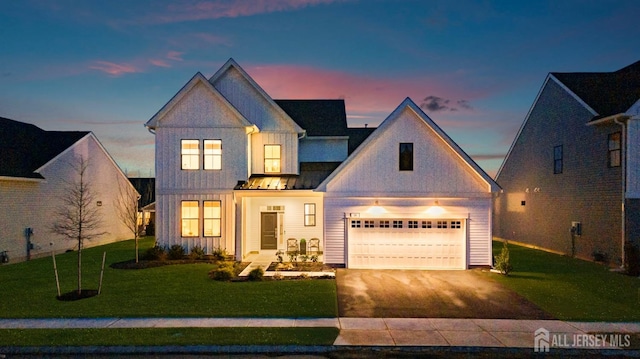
x: 475, y: 67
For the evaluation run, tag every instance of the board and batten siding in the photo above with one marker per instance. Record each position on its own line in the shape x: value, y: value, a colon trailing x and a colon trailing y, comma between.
x: 437, y: 169
x: 476, y: 211
x: 288, y: 151
x: 168, y: 226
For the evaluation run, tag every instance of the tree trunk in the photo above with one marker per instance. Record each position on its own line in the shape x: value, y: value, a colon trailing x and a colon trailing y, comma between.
x: 79, y: 266
x: 136, y: 238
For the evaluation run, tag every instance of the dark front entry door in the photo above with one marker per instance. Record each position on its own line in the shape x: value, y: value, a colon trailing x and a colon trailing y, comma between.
x: 268, y: 224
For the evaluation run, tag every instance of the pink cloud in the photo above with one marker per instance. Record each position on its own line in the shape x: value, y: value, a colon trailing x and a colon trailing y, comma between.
x: 159, y: 63
x: 202, y: 10
x: 174, y: 55
x: 366, y: 97
x: 114, y: 69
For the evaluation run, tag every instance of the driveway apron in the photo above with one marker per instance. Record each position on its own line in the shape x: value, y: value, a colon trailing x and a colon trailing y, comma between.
x: 429, y: 294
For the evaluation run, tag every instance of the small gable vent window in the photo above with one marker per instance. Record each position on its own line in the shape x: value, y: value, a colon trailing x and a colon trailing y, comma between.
x: 615, y: 149
x: 406, y: 156
x: 557, y: 159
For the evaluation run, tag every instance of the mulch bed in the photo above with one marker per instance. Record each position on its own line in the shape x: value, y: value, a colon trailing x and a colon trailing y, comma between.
x: 299, y: 267
x: 74, y: 295
x: 143, y: 264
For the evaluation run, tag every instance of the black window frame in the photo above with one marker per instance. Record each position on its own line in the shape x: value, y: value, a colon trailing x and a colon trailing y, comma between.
x: 558, y: 159
x: 617, y: 151
x: 405, y: 156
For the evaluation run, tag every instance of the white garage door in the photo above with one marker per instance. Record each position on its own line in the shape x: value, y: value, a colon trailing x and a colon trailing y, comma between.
x: 406, y: 243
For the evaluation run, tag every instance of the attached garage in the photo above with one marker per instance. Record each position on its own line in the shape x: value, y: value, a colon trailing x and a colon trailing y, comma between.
x: 406, y: 243
x: 408, y: 198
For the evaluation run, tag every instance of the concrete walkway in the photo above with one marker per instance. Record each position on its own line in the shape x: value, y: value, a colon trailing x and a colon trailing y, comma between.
x: 436, y: 332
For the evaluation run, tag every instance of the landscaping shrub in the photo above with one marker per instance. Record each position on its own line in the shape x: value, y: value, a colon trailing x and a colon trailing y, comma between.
x: 155, y: 253
x: 632, y: 259
x: 176, y: 251
x: 256, y: 274
x: 197, y: 252
x: 502, y: 261
x: 225, y: 272
x: 219, y: 254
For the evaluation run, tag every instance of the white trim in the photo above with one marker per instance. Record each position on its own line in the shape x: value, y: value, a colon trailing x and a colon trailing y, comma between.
x: 197, y: 78
x: 232, y: 63
x: 21, y: 179
x: 408, y: 103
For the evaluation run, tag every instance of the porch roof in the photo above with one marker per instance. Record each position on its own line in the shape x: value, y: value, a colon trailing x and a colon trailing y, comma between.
x: 311, y: 175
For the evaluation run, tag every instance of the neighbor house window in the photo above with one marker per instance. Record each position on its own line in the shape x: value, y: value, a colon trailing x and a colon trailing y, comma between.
x: 309, y: 214
x: 212, y: 154
x: 406, y: 156
x: 212, y: 218
x: 190, y: 218
x: 190, y: 153
x: 615, y: 149
x: 272, y: 158
x: 557, y: 159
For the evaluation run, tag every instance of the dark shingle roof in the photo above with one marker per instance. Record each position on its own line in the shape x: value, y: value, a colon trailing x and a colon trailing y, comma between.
x: 608, y: 93
x: 25, y: 147
x: 311, y: 175
x: 317, y: 117
x: 357, y: 135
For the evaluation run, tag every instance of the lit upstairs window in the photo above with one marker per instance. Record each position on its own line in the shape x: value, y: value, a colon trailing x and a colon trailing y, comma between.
x: 190, y: 154
x: 271, y: 158
x: 212, y: 154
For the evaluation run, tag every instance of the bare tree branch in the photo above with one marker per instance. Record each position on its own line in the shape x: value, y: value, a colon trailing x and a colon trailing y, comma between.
x: 127, y: 208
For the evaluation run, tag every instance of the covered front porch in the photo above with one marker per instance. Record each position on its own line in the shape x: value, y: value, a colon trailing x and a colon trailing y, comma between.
x: 273, y: 220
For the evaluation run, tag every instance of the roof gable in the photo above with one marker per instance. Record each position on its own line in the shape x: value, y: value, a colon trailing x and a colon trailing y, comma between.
x: 24, y: 148
x: 440, y: 165
x: 198, y: 85
x: 607, y: 93
x: 317, y: 117
x: 251, y: 100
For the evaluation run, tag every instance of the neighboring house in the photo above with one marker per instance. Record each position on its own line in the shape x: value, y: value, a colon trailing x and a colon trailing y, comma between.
x: 571, y: 178
x: 146, y: 186
x: 35, y: 169
x: 238, y: 170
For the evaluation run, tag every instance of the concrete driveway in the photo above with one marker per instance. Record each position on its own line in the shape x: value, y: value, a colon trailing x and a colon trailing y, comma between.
x: 428, y: 294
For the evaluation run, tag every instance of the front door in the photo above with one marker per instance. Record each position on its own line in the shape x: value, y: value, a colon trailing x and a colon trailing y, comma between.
x: 268, y: 224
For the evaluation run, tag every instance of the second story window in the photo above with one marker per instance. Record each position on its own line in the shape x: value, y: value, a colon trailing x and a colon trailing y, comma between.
x: 615, y: 149
x: 271, y: 158
x: 406, y: 156
x: 557, y: 159
x: 190, y: 154
x: 212, y: 154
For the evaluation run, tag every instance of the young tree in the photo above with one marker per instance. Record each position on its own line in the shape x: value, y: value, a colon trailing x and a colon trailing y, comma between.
x: 127, y: 207
x: 78, y: 217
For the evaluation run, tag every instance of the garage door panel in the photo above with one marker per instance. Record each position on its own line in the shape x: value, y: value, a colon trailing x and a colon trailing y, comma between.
x: 407, y: 244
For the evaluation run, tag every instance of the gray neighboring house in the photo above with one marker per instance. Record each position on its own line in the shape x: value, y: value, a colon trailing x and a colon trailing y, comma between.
x: 571, y: 179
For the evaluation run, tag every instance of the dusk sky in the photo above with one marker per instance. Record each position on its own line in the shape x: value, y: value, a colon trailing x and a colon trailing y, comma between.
x: 475, y: 67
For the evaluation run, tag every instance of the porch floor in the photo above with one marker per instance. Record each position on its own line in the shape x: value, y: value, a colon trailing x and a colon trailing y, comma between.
x: 266, y: 257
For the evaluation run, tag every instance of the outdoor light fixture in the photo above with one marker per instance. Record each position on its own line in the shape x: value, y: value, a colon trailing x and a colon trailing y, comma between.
x: 376, y: 209
x: 435, y: 210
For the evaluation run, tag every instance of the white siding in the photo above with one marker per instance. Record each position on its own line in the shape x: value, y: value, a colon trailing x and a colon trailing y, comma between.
x: 477, y: 211
x: 437, y: 168
x: 33, y: 204
x: 288, y: 146
x: 323, y: 149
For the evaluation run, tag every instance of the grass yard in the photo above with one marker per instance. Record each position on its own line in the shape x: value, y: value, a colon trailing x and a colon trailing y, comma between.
x: 569, y: 288
x: 29, y: 290
x: 168, y: 336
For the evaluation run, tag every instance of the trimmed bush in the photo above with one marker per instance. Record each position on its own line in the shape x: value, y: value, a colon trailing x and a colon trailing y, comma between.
x: 256, y: 274
x: 155, y: 253
x: 225, y: 272
x: 176, y: 251
x: 197, y: 252
x: 503, y: 262
x: 219, y: 254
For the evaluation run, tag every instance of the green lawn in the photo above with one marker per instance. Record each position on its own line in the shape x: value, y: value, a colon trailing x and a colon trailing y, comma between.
x: 571, y: 289
x: 168, y: 336
x: 29, y: 290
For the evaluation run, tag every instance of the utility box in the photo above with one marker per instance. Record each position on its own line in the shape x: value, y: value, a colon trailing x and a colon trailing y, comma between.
x: 576, y: 228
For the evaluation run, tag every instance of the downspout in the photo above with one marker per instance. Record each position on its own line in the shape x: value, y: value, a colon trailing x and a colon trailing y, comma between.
x: 623, y: 163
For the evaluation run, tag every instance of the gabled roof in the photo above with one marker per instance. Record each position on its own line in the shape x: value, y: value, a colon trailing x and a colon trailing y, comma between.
x: 317, y: 117
x: 231, y: 63
x: 408, y: 103
x: 198, y: 78
x: 608, y: 93
x: 24, y: 147
x: 357, y: 135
